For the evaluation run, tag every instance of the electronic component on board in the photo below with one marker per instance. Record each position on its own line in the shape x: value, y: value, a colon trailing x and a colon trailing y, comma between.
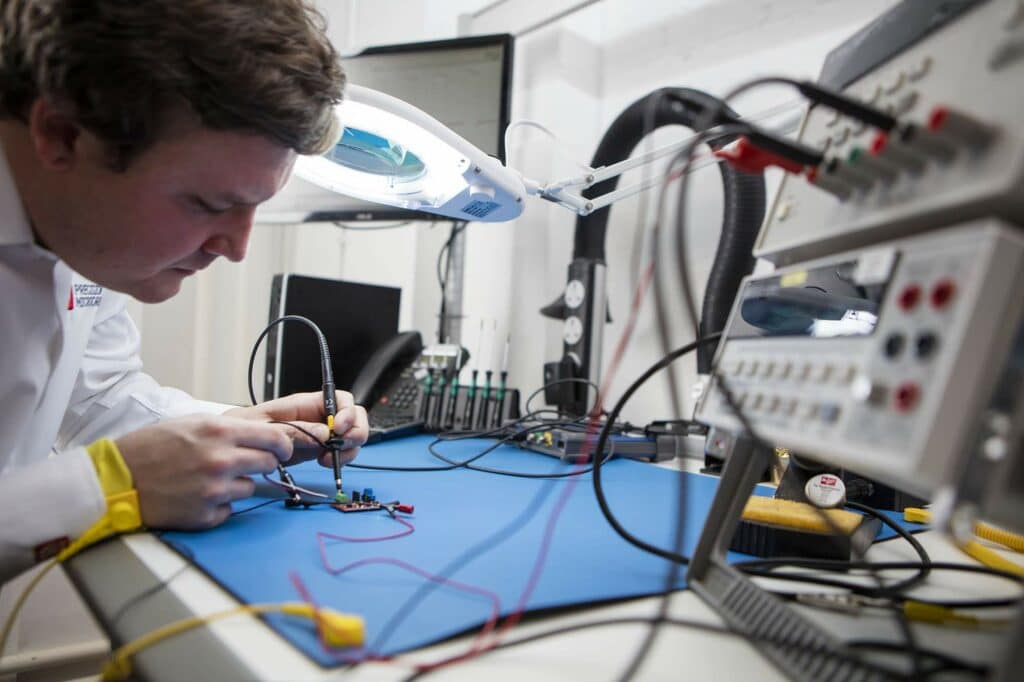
x: 360, y: 506
x: 361, y: 503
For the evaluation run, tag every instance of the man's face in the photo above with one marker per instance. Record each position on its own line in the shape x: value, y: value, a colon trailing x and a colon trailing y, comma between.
x: 183, y: 202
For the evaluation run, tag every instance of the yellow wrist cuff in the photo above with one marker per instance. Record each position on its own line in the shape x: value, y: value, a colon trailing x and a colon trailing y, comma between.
x: 123, y: 514
x: 114, y: 475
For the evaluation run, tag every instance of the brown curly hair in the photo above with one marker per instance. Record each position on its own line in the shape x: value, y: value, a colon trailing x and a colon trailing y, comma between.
x: 120, y: 67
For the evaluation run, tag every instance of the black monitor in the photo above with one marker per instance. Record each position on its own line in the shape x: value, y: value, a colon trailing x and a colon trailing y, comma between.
x: 464, y: 83
x: 355, y: 318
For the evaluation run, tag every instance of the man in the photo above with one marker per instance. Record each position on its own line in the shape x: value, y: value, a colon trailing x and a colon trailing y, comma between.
x: 138, y: 139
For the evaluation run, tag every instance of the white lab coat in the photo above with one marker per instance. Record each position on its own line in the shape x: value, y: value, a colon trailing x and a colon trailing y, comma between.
x: 70, y: 373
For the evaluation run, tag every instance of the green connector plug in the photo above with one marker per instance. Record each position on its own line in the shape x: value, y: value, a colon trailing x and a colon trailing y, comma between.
x: 341, y: 498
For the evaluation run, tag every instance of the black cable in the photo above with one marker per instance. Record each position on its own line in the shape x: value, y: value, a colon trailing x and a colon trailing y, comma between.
x: 673, y: 573
x: 145, y: 594
x: 946, y: 662
x: 389, y: 468
x: 257, y: 506
x: 926, y: 561
x: 556, y: 382
x: 764, y: 566
x: 675, y: 557
x: 452, y: 464
x: 868, y: 591
x: 894, y: 600
x: 922, y: 569
x: 513, y: 474
x: 603, y: 439
x: 442, y: 279
x: 325, y: 354
x: 676, y: 622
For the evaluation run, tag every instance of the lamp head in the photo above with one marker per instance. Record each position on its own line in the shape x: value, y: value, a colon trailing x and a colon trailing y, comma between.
x: 390, y: 152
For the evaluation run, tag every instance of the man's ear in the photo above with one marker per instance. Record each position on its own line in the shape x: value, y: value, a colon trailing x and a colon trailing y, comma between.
x: 53, y: 134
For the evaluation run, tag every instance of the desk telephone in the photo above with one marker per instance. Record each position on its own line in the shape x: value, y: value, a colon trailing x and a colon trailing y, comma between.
x: 407, y: 389
x: 388, y: 387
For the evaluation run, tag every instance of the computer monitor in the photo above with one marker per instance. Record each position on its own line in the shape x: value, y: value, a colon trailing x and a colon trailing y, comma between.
x: 356, y: 320
x: 465, y: 83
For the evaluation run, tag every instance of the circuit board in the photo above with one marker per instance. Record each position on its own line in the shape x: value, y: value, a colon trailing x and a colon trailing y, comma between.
x: 360, y: 506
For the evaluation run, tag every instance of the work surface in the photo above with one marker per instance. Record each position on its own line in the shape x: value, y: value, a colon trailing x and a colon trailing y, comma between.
x: 504, y: 542
x: 136, y: 584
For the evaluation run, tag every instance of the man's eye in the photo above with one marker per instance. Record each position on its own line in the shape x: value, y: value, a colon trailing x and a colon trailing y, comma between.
x: 208, y: 208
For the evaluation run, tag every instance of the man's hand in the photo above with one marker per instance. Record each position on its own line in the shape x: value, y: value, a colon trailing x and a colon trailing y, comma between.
x: 187, y: 471
x: 307, y: 410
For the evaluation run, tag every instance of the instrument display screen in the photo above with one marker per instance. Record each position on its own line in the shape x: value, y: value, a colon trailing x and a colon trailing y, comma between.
x: 824, y: 302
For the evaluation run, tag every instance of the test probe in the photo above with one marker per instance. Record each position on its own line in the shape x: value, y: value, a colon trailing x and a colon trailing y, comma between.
x: 333, y: 443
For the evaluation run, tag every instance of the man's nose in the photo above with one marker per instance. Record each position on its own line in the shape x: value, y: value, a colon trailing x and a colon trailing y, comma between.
x: 232, y: 237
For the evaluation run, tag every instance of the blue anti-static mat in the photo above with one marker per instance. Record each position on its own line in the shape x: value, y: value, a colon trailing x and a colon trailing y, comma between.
x: 252, y: 554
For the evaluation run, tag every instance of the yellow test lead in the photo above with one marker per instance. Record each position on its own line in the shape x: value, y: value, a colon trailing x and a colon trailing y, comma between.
x: 339, y: 630
x: 977, y: 551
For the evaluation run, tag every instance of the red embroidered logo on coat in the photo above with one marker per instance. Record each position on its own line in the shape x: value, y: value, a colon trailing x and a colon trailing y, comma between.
x: 50, y: 548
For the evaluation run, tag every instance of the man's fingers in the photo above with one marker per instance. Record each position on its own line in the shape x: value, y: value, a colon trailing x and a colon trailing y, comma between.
x: 238, y: 488
x: 347, y: 417
x: 260, y: 436
x: 352, y: 424
x: 219, y: 514
x: 316, y: 436
x: 248, y: 461
x: 344, y: 457
x: 304, y: 406
x: 295, y: 407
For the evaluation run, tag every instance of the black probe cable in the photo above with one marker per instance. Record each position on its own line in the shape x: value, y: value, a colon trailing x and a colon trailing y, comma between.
x: 330, y: 401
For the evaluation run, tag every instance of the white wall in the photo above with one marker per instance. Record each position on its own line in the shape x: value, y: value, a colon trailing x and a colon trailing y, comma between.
x: 574, y: 75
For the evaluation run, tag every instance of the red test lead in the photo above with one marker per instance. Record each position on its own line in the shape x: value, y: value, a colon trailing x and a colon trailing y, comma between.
x: 955, y: 125
x: 746, y: 156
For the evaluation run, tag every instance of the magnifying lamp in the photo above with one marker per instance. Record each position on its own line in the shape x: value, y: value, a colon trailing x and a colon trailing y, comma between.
x: 392, y: 153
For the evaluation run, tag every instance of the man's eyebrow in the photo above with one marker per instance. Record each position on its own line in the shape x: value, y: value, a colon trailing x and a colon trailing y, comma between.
x: 233, y: 199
